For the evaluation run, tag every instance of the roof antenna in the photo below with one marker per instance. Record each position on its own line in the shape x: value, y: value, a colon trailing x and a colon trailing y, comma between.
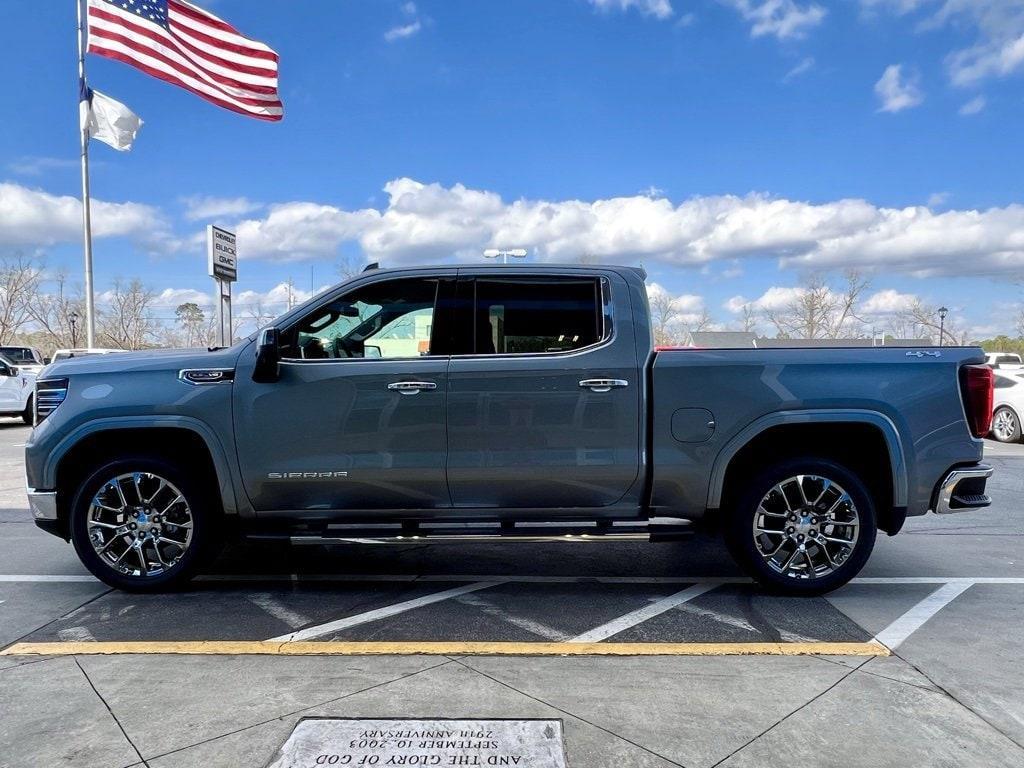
x: 371, y: 265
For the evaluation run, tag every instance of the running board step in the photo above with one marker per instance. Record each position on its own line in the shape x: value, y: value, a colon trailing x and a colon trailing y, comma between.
x: 405, y: 533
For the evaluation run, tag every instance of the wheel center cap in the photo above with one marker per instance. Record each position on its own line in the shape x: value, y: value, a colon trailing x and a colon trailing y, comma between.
x: 803, y: 524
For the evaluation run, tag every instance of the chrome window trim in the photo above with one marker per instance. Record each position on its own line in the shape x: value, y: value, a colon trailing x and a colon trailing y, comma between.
x: 606, y: 316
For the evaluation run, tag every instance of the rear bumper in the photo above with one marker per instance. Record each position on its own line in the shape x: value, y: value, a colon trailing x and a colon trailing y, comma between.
x: 963, y: 489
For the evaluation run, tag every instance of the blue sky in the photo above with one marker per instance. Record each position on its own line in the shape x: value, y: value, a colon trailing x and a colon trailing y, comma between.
x: 728, y: 145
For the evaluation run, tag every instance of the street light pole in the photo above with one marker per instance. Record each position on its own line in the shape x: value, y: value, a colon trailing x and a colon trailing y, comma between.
x: 73, y: 319
x: 942, y: 324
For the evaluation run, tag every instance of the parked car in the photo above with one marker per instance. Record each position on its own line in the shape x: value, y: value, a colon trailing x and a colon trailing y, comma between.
x: 1008, y: 403
x: 16, y: 390
x: 1008, y: 361
x: 28, y: 359
x: 497, y: 397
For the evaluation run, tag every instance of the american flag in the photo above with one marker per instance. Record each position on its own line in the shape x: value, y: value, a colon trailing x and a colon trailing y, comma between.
x: 184, y: 45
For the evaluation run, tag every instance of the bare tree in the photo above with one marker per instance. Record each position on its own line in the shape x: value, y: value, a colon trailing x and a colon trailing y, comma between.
x: 1020, y: 324
x: 665, y: 317
x: 749, y: 318
x: 19, y: 284
x: 350, y: 266
x: 921, y: 319
x: 818, y: 312
x: 127, y: 322
x: 59, y: 315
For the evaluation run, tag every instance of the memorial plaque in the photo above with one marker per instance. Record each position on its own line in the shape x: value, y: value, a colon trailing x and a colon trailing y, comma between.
x: 318, y: 742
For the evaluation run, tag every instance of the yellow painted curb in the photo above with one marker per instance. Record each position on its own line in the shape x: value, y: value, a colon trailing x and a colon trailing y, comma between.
x: 327, y: 648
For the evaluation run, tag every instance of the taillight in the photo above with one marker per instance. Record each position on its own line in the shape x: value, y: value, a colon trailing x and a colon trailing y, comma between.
x: 976, y: 383
x: 49, y: 394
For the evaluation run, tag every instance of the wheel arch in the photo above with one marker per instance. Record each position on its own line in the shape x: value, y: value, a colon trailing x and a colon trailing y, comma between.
x: 864, y: 431
x: 173, y: 436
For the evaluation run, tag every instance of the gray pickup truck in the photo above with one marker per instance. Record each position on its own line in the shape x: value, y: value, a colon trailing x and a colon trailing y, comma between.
x: 520, y: 402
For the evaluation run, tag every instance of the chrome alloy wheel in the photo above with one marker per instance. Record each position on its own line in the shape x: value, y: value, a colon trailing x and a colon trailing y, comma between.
x: 139, y: 524
x: 1004, y: 425
x: 806, y: 527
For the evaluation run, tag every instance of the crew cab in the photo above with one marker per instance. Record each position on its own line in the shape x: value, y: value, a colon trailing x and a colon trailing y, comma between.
x: 515, y: 402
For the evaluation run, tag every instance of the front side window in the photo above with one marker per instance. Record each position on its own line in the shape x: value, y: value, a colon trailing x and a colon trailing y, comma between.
x: 537, y: 315
x: 389, y: 319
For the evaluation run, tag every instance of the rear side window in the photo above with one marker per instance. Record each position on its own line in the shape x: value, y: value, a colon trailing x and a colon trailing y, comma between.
x: 1002, y: 382
x: 537, y: 315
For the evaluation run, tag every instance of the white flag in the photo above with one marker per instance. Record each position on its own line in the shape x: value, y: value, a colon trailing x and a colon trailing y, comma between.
x: 109, y: 121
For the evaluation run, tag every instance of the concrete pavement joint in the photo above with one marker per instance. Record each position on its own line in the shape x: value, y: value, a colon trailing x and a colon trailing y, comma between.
x: 944, y: 691
x: 298, y: 711
x: 41, y: 627
x: 570, y: 714
x: 105, y: 704
x: 789, y: 715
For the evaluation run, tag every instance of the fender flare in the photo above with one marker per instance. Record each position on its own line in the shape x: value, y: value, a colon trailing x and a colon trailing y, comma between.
x: 221, y: 465
x: 897, y: 458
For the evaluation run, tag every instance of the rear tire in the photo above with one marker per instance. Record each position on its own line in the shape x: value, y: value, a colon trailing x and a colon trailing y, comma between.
x: 1006, y: 425
x: 142, y: 524
x: 28, y: 415
x: 804, y: 526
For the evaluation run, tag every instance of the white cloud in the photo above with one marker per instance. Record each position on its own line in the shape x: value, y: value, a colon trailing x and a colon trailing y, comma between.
x: 30, y: 217
x: 887, y: 302
x: 974, y: 106
x: 782, y: 19
x: 805, y: 66
x: 174, y: 297
x: 403, y: 31
x: 897, y: 92
x: 660, y: 9
x: 430, y: 222
x: 998, y: 26
x: 206, y: 207
x: 938, y: 199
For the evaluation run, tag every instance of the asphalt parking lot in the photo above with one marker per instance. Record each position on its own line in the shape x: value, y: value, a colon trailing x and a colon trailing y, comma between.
x: 915, y: 663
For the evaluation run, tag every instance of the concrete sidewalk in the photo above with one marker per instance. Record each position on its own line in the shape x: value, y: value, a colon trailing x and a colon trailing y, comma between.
x: 166, y: 711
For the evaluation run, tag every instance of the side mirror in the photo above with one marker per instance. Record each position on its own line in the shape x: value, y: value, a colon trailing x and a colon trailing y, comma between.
x: 268, y: 357
x: 47, y: 361
x: 6, y: 370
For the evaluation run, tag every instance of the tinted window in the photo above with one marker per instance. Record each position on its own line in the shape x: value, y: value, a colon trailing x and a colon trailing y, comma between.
x: 536, y: 315
x: 392, y: 319
x: 20, y: 355
x: 1008, y: 359
x: 1002, y: 382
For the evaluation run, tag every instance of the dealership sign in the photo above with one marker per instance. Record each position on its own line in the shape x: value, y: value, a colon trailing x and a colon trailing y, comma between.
x: 222, y: 253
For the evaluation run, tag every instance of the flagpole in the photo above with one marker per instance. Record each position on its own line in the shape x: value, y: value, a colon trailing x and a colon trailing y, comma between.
x: 90, y: 315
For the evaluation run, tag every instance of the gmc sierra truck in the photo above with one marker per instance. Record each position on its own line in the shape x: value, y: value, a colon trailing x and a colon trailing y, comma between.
x: 519, y: 402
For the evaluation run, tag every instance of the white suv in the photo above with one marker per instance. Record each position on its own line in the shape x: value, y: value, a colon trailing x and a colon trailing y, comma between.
x: 1008, y: 406
x: 17, y: 386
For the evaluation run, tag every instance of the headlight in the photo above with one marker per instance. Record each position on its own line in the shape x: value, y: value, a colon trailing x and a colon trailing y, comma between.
x: 49, y: 394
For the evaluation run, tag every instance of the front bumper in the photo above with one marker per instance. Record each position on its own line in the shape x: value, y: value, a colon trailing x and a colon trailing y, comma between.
x: 43, y: 504
x: 963, y: 489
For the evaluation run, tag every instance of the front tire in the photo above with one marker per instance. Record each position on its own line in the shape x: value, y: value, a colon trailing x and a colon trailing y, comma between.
x: 802, y: 527
x: 141, y: 524
x: 28, y: 414
x: 1006, y: 425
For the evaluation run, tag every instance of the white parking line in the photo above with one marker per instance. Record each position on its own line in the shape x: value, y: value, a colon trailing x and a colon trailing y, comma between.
x: 277, y: 609
x: 613, y: 627
x: 893, y: 635
x: 514, y: 579
x: 48, y: 579
x: 381, y: 613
